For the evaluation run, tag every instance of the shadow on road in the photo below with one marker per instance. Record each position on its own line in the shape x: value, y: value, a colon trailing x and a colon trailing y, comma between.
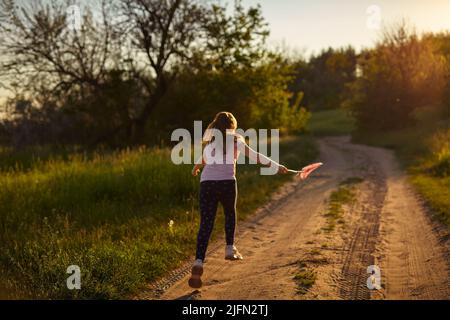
x: 194, y: 295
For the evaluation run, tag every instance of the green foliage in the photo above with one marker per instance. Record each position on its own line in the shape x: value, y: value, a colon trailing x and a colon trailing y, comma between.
x: 257, y: 96
x: 344, y: 195
x: 324, y: 77
x: 331, y: 122
x: 132, y: 88
x: 402, y: 73
x: 305, y: 279
x: 234, y: 40
x: 436, y: 192
x: 439, y: 161
x: 431, y: 174
x: 441, y: 41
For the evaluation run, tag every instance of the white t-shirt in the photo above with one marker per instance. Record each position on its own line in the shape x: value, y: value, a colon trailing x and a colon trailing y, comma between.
x: 222, y: 166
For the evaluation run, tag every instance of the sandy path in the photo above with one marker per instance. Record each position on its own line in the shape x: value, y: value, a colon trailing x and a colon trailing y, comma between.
x: 387, y: 226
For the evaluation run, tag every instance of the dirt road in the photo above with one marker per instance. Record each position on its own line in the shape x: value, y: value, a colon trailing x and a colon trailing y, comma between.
x: 386, y: 226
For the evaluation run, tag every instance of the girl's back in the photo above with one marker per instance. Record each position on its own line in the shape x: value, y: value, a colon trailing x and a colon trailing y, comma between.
x: 220, y: 165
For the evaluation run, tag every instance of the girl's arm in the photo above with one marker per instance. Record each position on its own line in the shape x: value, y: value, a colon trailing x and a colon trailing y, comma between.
x: 260, y: 158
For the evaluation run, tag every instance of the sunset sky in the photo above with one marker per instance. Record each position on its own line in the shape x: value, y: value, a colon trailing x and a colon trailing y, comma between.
x: 307, y: 26
x: 311, y: 25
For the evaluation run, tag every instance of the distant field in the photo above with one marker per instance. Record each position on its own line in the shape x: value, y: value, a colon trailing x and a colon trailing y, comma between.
x: 108, y: 214
x: 330, y: 122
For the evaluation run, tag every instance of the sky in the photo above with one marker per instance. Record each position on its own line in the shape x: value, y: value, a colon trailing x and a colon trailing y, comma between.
x: 311, y: 25
x: 307, y: 26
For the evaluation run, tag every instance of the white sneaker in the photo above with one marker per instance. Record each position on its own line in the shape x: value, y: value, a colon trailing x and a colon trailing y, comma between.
x: 195, y: 280
x: 232, y: 253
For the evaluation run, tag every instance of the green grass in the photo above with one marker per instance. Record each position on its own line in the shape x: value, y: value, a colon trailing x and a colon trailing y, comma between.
x: 108, y: 213
x: 437, y: 193
x: 331, y: 123
x: 345, y: 194
x: 424, y: 150
x: 304, y: 278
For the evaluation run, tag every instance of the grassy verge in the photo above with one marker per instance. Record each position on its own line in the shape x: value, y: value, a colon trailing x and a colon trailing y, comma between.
x: 331, y: 123
x: 111, y: 215
x: 424, y: 150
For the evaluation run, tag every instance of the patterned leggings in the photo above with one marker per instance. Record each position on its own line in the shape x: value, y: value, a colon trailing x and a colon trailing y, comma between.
x: 211, y: 193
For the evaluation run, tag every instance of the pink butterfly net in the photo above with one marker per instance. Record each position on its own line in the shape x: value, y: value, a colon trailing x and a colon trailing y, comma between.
x: 306, y: 171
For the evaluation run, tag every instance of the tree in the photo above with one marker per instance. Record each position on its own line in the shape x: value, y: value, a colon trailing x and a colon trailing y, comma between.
x: 161, y: 34
x: 170, y: 34
x: 257, y: 96
x: 70, y: 69
x: 441, y: 41
x: 41, y: 53
x: 324, y: 77
x: 402, y: 73
x: 236, y: 41
x: 132, y: 50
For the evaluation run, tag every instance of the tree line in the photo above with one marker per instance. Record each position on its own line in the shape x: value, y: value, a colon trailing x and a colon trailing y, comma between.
x: 134, y: 70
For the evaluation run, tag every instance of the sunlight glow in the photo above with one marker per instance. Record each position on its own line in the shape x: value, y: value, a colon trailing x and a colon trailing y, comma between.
x: 311, y: 25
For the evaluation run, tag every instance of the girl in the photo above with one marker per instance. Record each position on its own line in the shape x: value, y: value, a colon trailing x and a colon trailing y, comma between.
x: 218, y: 184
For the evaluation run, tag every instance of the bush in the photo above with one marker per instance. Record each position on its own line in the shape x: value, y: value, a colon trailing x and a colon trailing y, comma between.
x: 258, y: 97
x: 440, y: 156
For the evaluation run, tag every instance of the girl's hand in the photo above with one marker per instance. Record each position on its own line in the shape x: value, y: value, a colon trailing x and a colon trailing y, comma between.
x: 282, y: 170
x: 195, y: 171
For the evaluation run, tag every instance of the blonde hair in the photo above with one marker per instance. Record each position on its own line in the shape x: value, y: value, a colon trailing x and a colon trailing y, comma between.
x: 223, y: 121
